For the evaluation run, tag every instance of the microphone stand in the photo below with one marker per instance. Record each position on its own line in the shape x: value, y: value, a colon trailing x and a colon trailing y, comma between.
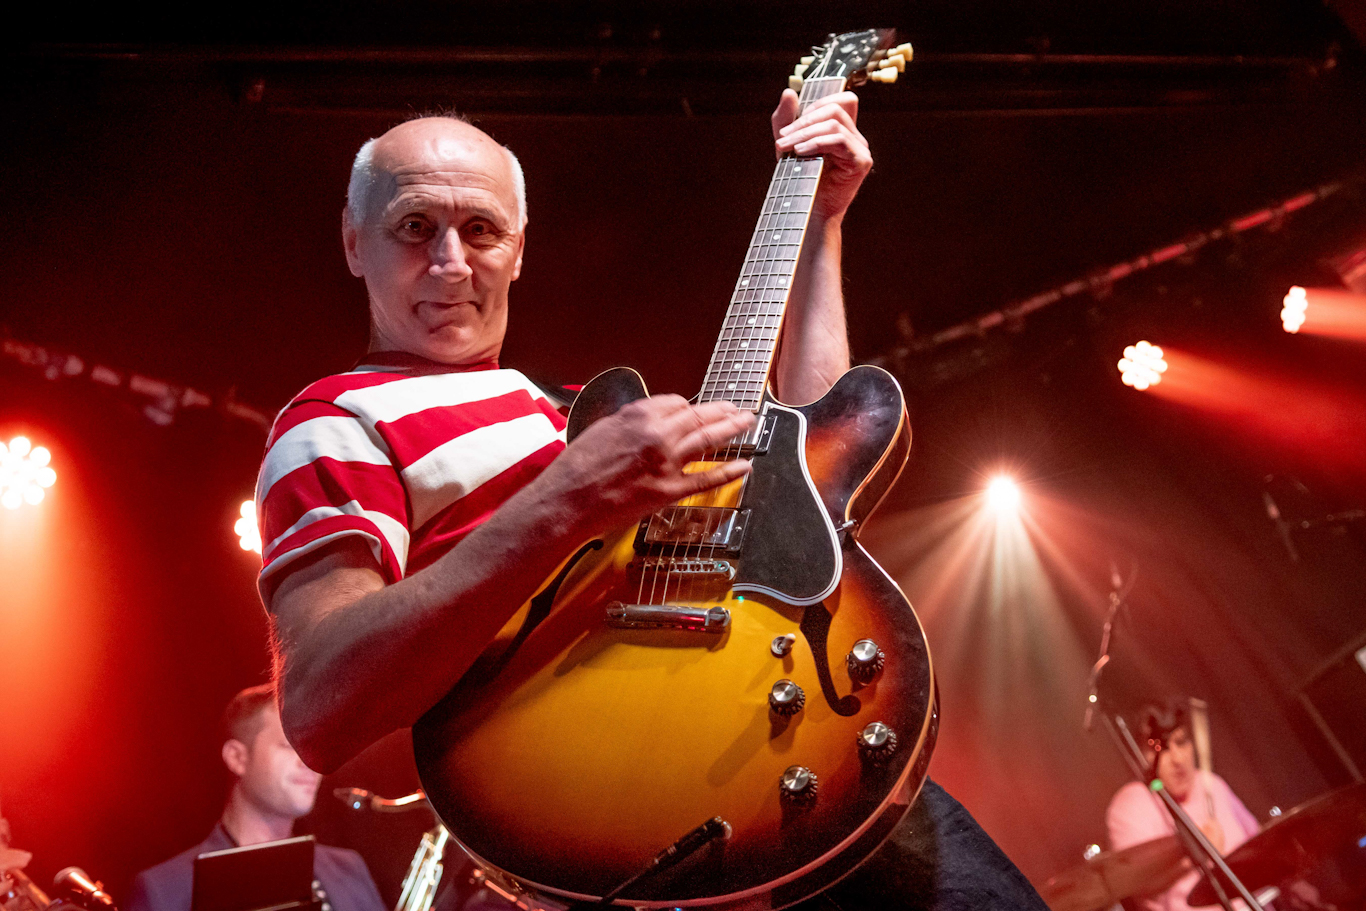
x: 1203, y: 854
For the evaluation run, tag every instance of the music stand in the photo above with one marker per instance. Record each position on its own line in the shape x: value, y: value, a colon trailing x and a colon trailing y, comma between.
x: 275, y: 876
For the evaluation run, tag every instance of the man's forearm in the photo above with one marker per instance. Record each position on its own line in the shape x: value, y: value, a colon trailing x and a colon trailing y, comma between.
x: 814, y: 351
x: 361, y: 659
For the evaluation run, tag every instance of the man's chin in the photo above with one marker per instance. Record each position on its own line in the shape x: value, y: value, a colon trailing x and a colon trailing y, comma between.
x: 454, y: 348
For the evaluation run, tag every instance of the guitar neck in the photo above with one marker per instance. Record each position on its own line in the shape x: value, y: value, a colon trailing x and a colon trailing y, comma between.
x: 744, y: 353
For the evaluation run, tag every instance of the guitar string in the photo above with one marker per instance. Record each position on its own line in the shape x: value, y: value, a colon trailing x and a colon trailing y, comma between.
x: 754, y: 306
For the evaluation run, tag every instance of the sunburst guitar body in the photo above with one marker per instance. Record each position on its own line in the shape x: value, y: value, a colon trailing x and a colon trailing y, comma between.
x: 729, y: 705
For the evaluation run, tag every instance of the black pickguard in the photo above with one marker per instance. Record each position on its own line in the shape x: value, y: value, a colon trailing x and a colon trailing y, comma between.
x: 788, y: 549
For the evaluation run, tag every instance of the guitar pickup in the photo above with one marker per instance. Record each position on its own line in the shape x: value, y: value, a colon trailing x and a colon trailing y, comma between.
x: 717, y: 527
x: 753, y: 441
x: 667, y: 616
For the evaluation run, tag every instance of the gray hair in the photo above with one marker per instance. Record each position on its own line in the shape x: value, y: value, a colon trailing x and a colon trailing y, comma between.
x: 363, y: 177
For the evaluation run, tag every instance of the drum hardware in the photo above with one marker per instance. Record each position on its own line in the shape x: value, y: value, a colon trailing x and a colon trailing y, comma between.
x: 1297, y: 841
x: 1108, y: 878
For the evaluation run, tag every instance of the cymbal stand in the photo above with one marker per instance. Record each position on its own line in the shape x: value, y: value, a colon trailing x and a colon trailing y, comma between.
x: 1205, y: 856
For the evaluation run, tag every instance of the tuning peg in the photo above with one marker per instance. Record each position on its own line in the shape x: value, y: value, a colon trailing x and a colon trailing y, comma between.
x: 896, y: 60
x: 795, y: 83
x: 905, y: 50
x: 800, y: 69
x: 808, y: 60
x: 888, y: 75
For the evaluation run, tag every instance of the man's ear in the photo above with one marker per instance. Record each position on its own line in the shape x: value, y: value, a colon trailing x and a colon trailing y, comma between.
x: 235, y: 755
x: 521, y: 245
x: 350, y: 234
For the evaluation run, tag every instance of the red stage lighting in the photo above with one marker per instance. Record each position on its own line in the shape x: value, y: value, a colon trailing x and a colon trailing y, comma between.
x: 1142, y: 365
x: 1325, y: 311
x: 248, y: 536
x: 24, y: 473
x: 1296, y: 302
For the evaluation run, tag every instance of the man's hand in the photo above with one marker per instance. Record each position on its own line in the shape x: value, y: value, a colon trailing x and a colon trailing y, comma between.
x: 828, y: 128
x: 631, y: 463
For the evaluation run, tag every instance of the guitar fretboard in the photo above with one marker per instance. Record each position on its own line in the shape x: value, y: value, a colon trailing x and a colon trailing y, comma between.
x: 744, y: 352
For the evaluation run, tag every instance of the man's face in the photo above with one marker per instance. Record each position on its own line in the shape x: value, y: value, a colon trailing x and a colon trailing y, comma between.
x: 272, y: 776
x: 1176, y: 764
x: 440, y: 244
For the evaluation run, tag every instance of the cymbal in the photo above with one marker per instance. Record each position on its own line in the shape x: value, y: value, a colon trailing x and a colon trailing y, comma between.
x: 1296, y: 842
x: 13, y: 859
x: 1114, y: 876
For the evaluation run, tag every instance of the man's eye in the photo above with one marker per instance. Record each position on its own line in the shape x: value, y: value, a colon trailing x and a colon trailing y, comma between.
x: 413, y: 227
x: 479, y: 229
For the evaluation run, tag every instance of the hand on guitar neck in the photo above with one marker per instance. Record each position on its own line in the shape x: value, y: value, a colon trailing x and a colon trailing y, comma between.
x: 828, y: 127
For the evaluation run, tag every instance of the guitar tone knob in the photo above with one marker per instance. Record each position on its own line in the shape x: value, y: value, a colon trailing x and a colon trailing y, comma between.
x: 877, y: 742
x: 798, y: 784
x: 786, y: 698
x: 864, y: 660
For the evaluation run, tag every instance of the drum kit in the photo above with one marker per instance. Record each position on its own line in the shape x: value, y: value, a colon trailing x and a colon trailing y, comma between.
x: 1325, y: 836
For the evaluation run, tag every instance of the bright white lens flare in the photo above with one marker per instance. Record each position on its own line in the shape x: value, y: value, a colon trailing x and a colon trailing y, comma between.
x: 1142, y: 365
x: 24, y: 473
x: 1003, y: 494
x: 249, y: 538
x: 1292, y: 314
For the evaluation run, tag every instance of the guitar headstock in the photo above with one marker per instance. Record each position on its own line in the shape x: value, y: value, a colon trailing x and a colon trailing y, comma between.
x: 855, y: 57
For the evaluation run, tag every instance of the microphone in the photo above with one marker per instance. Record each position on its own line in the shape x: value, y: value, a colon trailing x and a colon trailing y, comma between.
x: 361, y: 799
x: 354, y: 798
x: 1273, y: 512
x: 86, y: 891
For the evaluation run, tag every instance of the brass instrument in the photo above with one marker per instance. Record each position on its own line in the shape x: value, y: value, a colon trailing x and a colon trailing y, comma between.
x: 424, y: 873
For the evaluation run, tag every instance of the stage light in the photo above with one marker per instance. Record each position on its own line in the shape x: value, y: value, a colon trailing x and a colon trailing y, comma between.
x: 1003, y: 494
x: 1292, y: 314
x: 1142, y: 365
x: 249, y: 537
x: 25, y: 473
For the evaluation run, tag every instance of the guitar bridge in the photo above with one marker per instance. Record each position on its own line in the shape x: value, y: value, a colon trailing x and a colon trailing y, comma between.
x: 667, y: 616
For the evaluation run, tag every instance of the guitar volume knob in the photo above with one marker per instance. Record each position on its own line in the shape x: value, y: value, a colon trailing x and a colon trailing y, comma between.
x: 798, y: 784
x: 786, y: 698
x: 877, y: 742
x: 865, y: 660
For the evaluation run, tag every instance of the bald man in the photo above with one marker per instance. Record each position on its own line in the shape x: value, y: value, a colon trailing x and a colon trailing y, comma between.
x: 410, y: 506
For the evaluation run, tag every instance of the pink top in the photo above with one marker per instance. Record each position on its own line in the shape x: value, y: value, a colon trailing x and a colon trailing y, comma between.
x: 1136, y: 815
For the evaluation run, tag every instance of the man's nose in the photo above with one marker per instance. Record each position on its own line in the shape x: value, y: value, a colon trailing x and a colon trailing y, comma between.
x: 448, y: 257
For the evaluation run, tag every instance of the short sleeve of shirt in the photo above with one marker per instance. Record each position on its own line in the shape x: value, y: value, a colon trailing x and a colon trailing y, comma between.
x: 1134, y: 817
x: 328, y: 475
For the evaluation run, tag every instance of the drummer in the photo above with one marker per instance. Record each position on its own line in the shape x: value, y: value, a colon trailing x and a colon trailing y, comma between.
x: 1136, y: 815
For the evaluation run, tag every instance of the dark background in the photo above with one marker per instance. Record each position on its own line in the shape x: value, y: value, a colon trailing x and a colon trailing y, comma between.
x: 171, y: 193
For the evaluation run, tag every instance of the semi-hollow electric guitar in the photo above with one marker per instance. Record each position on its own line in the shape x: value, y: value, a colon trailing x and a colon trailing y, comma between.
x: 728, y: 705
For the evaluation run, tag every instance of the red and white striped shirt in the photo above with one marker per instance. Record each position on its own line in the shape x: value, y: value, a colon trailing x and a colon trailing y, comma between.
x: 407, y: 454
